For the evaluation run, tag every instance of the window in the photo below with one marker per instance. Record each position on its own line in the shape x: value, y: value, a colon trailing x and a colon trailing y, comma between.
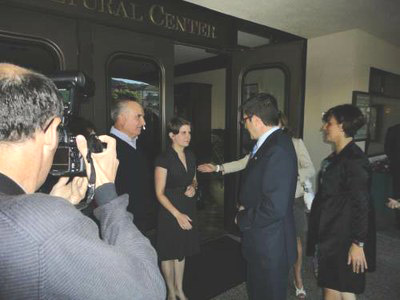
x: 32, y: 53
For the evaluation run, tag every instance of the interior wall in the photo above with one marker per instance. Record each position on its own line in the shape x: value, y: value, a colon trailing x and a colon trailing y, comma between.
x: 217, y: 79
x: 338, y: 64
x: 270, y: 81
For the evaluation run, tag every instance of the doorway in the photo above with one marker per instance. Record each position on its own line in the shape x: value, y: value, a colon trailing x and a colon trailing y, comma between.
x: 200, y: 97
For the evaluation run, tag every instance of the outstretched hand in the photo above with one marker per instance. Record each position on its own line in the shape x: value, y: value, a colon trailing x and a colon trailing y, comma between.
x: 105, y: 163
x: 74, y: 191
x: 207, y: 168
x: 392, y: 203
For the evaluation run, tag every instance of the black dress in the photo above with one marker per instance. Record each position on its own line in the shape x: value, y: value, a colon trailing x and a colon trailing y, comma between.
x: 341, y: 213
x: 172, y: 241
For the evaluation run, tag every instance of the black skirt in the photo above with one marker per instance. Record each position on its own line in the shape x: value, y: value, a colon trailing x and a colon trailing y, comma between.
x: 172, y: 241
x: 334, y: 273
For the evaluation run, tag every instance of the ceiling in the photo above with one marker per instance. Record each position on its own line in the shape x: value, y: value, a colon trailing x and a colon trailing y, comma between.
x: 313, y: 18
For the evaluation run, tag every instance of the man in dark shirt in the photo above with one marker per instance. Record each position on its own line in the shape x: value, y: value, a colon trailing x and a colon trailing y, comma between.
x: 392, y: 150
x: 134, y: 175
x: 49, y: 249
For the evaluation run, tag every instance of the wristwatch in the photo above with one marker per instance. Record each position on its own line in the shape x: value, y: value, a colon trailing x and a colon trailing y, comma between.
x: 358, y: 243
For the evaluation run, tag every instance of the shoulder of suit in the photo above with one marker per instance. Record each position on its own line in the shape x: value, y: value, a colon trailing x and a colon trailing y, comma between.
x: 39, y: 215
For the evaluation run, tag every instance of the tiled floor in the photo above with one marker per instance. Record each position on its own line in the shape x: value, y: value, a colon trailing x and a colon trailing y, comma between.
x: 383, y: 284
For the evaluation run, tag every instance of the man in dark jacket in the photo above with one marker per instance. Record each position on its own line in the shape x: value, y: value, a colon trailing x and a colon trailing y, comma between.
x: 134, y: 175
x: 267, y: 193
x: 49, y: 249
x: 392, y: 150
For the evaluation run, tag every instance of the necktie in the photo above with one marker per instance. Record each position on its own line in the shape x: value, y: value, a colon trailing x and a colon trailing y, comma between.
x: 253, y: 152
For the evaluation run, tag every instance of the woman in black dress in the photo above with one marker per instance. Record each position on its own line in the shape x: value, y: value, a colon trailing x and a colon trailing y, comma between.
x: 341, y: 220
x: 175, y: 183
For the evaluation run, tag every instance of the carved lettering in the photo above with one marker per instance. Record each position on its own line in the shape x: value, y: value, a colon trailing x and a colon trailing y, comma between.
x: 169, y: 21
x: 135, y: 14
x: 212, y: 32
x: 101, y: 6
x: 86, y: 3
x: 121, y: 9
x: 180, y: 22
x: 157, y: 15
x: 194, y: 26
x: 203, y: 29
x: 109, y: 7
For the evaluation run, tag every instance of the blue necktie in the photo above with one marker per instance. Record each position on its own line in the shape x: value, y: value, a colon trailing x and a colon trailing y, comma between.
x: 253, y: 152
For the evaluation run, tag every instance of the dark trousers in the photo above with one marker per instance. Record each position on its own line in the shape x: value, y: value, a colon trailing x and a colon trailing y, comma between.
x: 265, y: 283
x: 396, y: 191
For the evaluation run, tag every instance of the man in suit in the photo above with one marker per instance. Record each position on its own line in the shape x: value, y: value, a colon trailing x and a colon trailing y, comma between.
x: 267, y: 192
x: 392, y: 150
x: 134, y: 172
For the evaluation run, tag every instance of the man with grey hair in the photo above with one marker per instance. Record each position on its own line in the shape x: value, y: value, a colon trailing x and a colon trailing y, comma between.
x: 49, y: 249
x: 134, y: 175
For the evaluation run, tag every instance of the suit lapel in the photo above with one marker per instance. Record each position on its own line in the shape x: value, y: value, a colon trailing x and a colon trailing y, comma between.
x: 264, y: 148
x: 261, y: 152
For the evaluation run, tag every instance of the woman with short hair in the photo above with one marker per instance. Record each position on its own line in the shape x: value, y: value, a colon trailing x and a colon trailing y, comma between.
x: 341, y: 222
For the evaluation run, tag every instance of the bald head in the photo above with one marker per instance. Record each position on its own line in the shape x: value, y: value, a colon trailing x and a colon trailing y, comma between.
x: 128, y: 117
x: 12, y: 71
x: 28, y: 101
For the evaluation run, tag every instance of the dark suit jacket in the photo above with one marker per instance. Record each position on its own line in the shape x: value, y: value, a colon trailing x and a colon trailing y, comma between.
x: 392, y: 150
x: 134, y: 177
x: 267, y: 193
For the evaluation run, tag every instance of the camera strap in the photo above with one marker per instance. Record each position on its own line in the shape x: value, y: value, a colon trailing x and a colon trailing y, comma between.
x: 92, y: 179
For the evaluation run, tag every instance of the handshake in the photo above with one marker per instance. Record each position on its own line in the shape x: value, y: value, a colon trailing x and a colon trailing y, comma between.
x: 104, y: 163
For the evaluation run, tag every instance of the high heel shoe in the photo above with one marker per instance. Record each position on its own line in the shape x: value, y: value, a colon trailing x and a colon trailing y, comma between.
x: 300, y: 293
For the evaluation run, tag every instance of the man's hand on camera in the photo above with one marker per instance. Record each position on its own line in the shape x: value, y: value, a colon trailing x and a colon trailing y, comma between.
x: 74, y: 191
x: 105, y: 163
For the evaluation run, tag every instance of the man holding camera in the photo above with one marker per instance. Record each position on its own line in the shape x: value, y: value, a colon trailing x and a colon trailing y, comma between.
x: 49, y: 249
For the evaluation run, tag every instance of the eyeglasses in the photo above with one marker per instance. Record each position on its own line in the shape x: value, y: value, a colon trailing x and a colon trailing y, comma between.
x: 243, y: 121
x: 48, y: 125
x: 59, y: 127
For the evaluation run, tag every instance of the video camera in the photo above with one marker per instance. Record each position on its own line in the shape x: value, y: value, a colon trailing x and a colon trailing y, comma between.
x: 74, y: 87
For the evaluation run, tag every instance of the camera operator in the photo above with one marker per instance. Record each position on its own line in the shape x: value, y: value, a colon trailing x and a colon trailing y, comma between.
x: 48, y: 248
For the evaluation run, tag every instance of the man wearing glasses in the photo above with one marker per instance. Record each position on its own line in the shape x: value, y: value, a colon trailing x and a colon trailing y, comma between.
x: 266, y: 196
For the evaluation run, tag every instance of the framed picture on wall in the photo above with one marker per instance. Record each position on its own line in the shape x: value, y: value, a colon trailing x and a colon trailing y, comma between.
x: 249, y: 90
x: 363, y: 101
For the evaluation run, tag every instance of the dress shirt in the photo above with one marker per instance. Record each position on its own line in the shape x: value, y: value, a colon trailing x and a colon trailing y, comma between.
x: 262, y: 139
x: 123, y: 136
